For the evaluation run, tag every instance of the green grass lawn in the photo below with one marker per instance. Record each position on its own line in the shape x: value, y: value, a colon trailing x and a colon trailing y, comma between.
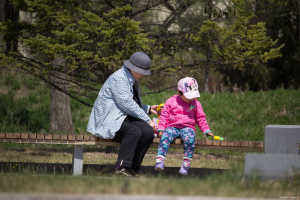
x: 228, y: 184
x: 213, y: 173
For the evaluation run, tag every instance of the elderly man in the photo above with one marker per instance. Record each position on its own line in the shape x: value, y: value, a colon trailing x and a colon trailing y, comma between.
x: 119, y: 114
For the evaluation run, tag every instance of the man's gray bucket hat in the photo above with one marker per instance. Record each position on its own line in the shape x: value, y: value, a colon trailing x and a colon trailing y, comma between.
x: 139, y: 62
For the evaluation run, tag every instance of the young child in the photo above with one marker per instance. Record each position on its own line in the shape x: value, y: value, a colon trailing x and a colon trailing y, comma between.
x: 178, y: 118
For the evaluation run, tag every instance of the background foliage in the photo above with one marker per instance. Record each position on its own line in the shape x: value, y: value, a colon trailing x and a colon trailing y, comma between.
x: 228, y: 46
x: 92, y: 42
x: 25, y: 103
x: 222, y: 43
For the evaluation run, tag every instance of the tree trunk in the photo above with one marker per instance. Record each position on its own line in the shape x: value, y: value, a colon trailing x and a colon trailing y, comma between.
x: 2, y: 18
x: 209, y: 8
x: 298, y: 19
x: 2, y: 10
x: 206, y: 71
x: 28, y: 18
x: 11, y: 38
x: 60, y: 109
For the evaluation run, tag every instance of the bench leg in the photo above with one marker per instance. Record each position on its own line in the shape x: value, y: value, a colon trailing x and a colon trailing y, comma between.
x: 77, y: 162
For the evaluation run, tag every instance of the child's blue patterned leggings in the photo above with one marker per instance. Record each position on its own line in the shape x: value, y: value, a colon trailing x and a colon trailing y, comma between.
x: 187, y: 135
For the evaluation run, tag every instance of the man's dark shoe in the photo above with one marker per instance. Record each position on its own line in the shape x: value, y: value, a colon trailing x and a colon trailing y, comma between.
x: 136, y: 170
x: 135, y: 173
x: 124, y: 172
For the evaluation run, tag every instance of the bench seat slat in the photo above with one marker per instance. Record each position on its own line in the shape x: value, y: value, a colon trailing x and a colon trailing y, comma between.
x: 48, y: 137
x: 82, y: 139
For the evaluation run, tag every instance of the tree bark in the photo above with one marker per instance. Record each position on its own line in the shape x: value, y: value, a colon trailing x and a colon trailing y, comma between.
x: 207, y: 70
x: 208, y: 50
x: 298, y: 19
x: 60, y: 109
x: 2, y: 9
x: 11, y: 38
x: 2, y: 18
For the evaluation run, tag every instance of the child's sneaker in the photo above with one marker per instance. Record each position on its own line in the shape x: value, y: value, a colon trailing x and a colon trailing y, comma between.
x: 160, y: 163
x: 184, y: 169
x: 159, y: 166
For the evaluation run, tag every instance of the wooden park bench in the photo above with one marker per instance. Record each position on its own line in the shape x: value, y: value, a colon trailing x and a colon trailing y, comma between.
x: 80, y: 140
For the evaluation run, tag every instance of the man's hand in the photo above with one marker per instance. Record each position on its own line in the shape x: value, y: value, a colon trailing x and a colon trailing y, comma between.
x: 153, y: 109
x: 151, y: 123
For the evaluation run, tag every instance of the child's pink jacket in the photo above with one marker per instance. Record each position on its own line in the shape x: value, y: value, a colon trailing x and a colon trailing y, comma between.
x: 179, y: 114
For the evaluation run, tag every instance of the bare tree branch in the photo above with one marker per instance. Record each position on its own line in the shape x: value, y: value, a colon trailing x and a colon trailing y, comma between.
x: 55, y: 86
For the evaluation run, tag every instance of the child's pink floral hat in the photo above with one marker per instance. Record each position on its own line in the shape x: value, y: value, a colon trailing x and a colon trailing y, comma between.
x: 189, y: 87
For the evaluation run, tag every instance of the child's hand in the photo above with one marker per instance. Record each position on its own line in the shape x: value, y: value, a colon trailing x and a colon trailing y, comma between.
x: 209, y: 134
x: 214, y: 137
x: 153, y: 109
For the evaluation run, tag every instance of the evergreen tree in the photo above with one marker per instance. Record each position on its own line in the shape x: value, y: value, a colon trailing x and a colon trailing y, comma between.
x: 239, y: 48
x: 92, y: 40
x: 71, y: 45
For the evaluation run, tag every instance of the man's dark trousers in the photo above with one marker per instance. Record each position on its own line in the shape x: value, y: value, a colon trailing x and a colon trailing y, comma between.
x: 135, y: 137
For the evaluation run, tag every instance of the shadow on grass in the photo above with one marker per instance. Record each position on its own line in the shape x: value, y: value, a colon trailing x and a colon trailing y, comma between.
x: 58, y: 148
x: 95, y: 169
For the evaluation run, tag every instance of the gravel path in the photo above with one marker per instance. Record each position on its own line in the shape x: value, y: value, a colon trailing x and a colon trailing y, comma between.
x: 118, y: 197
